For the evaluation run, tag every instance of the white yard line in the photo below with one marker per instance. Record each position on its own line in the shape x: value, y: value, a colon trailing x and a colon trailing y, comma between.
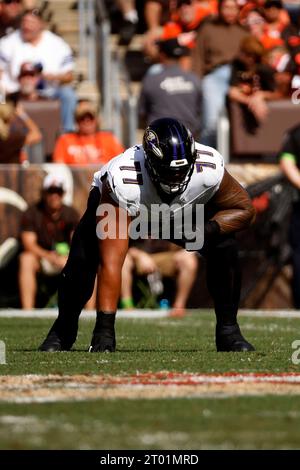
x: 86, y: 314
x: 142, y: 313
x: 270, y: 313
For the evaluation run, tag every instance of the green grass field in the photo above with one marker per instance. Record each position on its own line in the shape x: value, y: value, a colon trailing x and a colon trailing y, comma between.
x: 185, y: 345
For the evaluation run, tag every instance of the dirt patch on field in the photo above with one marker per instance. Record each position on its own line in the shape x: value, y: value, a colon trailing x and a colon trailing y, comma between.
x: 50, y: 388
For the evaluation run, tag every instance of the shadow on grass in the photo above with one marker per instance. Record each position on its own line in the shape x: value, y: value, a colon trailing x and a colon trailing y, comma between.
x: 130, y: 351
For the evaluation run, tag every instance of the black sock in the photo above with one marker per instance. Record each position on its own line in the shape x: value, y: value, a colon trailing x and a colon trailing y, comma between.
x: 105, y: 320
x: 224, y: 281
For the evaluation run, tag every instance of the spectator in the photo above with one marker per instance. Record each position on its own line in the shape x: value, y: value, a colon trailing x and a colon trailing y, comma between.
x: 130, y: 21
x: 276, y: 54
x: 184, y: 23
x: 276, y: 21
x: 18, y: 134
x: 255, y: 23
x: 290, y: 165
x: 46, y: 231
x: 172, y: 262
x: 291, y: 34
x: 186, y: 19
x: 157, y: 13
x: 10, y: 16
x: 216, y: 46
x: 293, y: 8
x: 12, y: 135
x: 32, y: 43
x: 261, y: 29
x: 29, y: 78
x: 259, y: 5
x: 252, y: 82
x: 189, y: 15
x: 258, y: 27
x: 172, y: 91
x: 279, y: 60
x: 87, y: 145
x: 248, y: 7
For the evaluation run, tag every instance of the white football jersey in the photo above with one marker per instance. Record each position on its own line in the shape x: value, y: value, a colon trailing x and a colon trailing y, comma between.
x: 131, y: 186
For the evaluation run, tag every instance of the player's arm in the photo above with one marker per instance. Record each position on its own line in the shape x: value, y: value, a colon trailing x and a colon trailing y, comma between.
x: 235, y: 211
x: 112, y: 252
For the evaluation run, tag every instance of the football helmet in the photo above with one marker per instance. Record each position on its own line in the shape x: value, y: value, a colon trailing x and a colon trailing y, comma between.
x: 169, y: 155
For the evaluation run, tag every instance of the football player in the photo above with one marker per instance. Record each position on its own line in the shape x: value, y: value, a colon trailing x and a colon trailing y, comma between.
x: 169, y: 167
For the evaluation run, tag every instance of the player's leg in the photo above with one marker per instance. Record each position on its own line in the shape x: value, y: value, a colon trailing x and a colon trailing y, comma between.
x: 126, y: 298
x: 224, y: 284
x: 91, y: 303
x: 77, y: 280
x: 295, y: 245
x: 296, y: 276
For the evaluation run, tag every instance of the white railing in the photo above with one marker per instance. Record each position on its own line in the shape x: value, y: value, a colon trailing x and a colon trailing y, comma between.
x: 106, y: 68
x: 87, y: 35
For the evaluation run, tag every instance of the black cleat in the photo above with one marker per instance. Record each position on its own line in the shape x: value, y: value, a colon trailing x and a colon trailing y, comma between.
x: 230, y: 339
x: 53, y: 343
x: 104, y: 341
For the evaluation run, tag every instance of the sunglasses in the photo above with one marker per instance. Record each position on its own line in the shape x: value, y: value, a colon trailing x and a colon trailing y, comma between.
x: 184, y: 2
x: 27, y: 74
x: 8, y: 2
x: 54, y: 190
x: 86, y: 116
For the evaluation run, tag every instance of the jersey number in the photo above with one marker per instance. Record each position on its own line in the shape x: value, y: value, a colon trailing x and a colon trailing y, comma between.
x: 137, y: 168
x: 139, y: 177
x: 199, y: 166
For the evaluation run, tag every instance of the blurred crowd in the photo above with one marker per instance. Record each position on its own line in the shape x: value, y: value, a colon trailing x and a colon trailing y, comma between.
x: 37, y: 69
x: 200, y: 53
x: 248, y: 52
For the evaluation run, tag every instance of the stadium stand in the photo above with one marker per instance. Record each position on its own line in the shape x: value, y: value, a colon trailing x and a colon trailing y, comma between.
x: 266, y: 138
x: 47, y: 115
